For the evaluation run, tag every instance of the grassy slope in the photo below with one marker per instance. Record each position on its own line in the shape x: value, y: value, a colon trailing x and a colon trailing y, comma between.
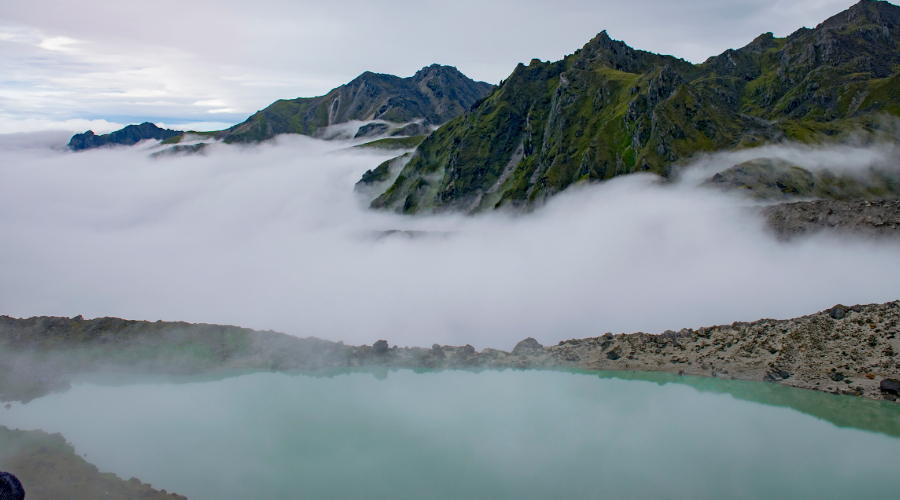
x: 609, y: 110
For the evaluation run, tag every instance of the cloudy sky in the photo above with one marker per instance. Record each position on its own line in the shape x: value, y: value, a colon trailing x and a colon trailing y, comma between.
x: 209, y: 63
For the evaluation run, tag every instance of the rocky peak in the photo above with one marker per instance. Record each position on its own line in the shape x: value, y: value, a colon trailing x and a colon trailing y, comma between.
x: 865, y: 12
x: 436, y: 70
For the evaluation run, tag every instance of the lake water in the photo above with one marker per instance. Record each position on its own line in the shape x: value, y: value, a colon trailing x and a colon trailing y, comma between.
x: 494, y: 435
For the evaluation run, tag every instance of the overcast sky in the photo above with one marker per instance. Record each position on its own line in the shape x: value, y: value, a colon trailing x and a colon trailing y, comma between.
x: 209, y: 63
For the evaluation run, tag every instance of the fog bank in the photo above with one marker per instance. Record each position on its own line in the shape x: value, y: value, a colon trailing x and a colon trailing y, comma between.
x: 272, y: 237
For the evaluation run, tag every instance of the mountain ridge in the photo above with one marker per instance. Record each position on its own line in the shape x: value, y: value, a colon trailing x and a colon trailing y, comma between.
x: 432, y: 96
x: 608, y: 110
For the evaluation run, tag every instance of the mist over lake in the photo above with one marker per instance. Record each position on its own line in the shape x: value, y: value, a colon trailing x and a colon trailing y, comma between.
x: 273, y: 237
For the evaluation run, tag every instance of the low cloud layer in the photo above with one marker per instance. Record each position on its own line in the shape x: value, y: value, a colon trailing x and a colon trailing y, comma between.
x: 272, y: 237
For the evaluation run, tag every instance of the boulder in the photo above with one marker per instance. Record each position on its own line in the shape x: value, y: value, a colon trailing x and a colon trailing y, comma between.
x: 380, y: 347
x: 527, y: 346
x: 890, y: 386
x: 837, y: 312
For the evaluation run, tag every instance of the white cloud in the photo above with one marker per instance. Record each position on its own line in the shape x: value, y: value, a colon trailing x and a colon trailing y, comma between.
x: 59, y: 43
x: 12, y: 126
x: 272, y: 237
x: 211, y: 102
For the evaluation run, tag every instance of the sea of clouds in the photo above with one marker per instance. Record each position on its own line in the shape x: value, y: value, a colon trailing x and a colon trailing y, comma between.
x: 273, y: 237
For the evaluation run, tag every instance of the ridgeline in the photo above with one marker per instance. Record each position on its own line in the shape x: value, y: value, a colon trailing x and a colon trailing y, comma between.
x: 609, y: 110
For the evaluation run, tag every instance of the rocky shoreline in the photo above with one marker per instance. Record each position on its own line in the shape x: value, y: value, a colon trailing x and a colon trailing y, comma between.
x: 843, y: 350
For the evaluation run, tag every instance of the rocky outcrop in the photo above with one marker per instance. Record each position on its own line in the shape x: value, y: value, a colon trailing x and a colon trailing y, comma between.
x: 861, y: 218
x: 434, y: 95
x: 128, y: 136
x: 777, y: 179
x: 609, y: 110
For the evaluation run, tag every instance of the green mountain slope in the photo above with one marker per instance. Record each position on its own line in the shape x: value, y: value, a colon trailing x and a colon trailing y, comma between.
x: 435, y: 94
x: 608, y: 110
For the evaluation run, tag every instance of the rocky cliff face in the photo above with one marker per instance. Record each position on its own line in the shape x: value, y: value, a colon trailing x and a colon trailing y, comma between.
x: 435, y: 94
x: 608, y: 110
x: 130, y: 135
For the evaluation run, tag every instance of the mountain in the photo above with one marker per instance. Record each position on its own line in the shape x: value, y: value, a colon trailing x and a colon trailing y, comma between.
x: 132, y: 134
x: 609, y: 109
x: 434, y: 95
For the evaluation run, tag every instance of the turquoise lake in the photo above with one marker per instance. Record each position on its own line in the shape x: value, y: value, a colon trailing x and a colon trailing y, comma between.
x: 400, y: 434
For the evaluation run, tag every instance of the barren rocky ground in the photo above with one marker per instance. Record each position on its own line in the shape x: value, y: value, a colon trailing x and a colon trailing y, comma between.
x: 864, y: 218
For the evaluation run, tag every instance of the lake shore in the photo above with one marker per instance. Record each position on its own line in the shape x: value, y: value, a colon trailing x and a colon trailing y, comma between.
x: 843, y: 350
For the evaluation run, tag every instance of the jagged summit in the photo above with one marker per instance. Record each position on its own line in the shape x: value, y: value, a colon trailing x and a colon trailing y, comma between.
x: 609, y: 109
x: 434, y: 95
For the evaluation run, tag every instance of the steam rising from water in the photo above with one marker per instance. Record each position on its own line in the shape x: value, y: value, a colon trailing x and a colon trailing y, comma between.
x: 272, y: 237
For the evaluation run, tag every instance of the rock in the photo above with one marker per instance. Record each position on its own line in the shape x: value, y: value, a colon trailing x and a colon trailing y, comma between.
x: 784, y: 375
x: 410, y: 130
x: 613, y: 355
x: 371, y: 130
x: 380, y: 347
x: 890, y: 386
x: 526, y: 346
x: 10, y: 487
x: 468, y: 349
x: 870, y: 376
x: 836, y: 312
x: 836, y: 376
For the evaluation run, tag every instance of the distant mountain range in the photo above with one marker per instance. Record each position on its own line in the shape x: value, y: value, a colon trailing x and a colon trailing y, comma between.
x: 609, y: 109
x: 132, y: 134
x: 434, y: 95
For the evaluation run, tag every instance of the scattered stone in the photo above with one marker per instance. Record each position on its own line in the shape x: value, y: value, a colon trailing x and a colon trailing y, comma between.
x: 836, y: 376
x: 870, y: 376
